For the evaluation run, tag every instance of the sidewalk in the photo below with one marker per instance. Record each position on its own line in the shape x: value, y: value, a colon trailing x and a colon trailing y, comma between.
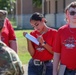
x: 25, y: 69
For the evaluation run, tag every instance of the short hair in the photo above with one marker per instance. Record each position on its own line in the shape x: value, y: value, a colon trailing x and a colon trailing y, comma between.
x: 72, y: 4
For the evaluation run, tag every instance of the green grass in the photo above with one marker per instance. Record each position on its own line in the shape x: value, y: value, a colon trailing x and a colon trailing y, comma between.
x: 13, y: 21
x: 22, y: 43
x: 22, y: 46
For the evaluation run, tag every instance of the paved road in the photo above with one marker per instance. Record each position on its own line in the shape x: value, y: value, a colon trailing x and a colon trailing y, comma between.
x: 25, y: 69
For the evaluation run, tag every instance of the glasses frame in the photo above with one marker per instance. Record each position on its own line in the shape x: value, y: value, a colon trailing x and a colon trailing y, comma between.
x: 72, y: 13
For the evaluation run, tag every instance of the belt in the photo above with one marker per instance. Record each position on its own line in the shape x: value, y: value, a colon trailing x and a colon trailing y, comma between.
x: 38, y: 62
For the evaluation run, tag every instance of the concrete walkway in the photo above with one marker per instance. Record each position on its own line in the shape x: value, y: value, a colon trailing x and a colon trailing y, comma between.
x: 25, y: 66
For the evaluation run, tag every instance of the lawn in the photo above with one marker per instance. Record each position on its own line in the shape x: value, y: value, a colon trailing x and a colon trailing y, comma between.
x: 22, y: 43
x: 22, y: 46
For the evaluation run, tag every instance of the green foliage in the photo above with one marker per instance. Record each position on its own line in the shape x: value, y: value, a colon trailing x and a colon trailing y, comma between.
x: 37, y: 3
x: 6, y: 5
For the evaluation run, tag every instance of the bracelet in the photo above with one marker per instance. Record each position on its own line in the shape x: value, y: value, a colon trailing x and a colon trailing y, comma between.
x: 43, y: 43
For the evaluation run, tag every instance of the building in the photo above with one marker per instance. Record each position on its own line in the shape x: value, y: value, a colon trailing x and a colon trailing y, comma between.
x: 54, y: 11
x: 24, y: 9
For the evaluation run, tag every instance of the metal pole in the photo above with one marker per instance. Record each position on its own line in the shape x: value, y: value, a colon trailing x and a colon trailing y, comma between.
x: 42, y: 6
x: 56, y: 13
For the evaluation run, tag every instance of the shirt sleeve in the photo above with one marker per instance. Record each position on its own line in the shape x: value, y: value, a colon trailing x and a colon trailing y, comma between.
x: 12, y: 35
x: 57, y: 43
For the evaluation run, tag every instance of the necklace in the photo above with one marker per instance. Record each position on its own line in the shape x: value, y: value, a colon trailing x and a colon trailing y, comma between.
x: 71, y: 31
x: 44, y: 31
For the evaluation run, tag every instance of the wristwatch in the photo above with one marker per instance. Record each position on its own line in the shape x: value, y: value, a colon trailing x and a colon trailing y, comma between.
x: 43, y: 43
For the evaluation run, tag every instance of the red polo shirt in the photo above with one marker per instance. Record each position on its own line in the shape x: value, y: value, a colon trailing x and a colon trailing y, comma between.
x: 7, y: 33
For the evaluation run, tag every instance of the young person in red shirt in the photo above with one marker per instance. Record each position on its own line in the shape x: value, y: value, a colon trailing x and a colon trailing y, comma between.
x: 42, y: 54
x: 7, y: 34
x: 65, y: 44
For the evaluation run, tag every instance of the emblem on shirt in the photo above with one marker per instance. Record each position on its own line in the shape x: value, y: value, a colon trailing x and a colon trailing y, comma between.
x: 40, y: 48
x: 70, y: 42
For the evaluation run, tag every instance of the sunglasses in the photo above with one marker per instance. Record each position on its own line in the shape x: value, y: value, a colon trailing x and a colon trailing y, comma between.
x: 72, y: 13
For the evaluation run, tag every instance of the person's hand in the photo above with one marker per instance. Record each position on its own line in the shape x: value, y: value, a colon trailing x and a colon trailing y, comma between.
x: 40, y: 39
x: 24, y: 33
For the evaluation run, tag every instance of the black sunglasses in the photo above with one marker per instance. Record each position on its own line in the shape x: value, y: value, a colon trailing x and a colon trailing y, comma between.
x: 72, y: 13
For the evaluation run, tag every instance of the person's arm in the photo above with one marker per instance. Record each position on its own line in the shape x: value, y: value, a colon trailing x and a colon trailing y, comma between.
x: 13, y: 45
x: 12, y: 36
x: 46, y: 45
x: 56, y: 59
x: 29, y: 45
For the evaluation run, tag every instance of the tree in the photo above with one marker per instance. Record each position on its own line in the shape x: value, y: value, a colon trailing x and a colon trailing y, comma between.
x: 6, y: 5
x: 37, y: 3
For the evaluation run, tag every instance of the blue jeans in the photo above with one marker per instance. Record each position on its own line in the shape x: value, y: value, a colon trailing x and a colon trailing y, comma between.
x: 38, y: 70
x: 70, y: 72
